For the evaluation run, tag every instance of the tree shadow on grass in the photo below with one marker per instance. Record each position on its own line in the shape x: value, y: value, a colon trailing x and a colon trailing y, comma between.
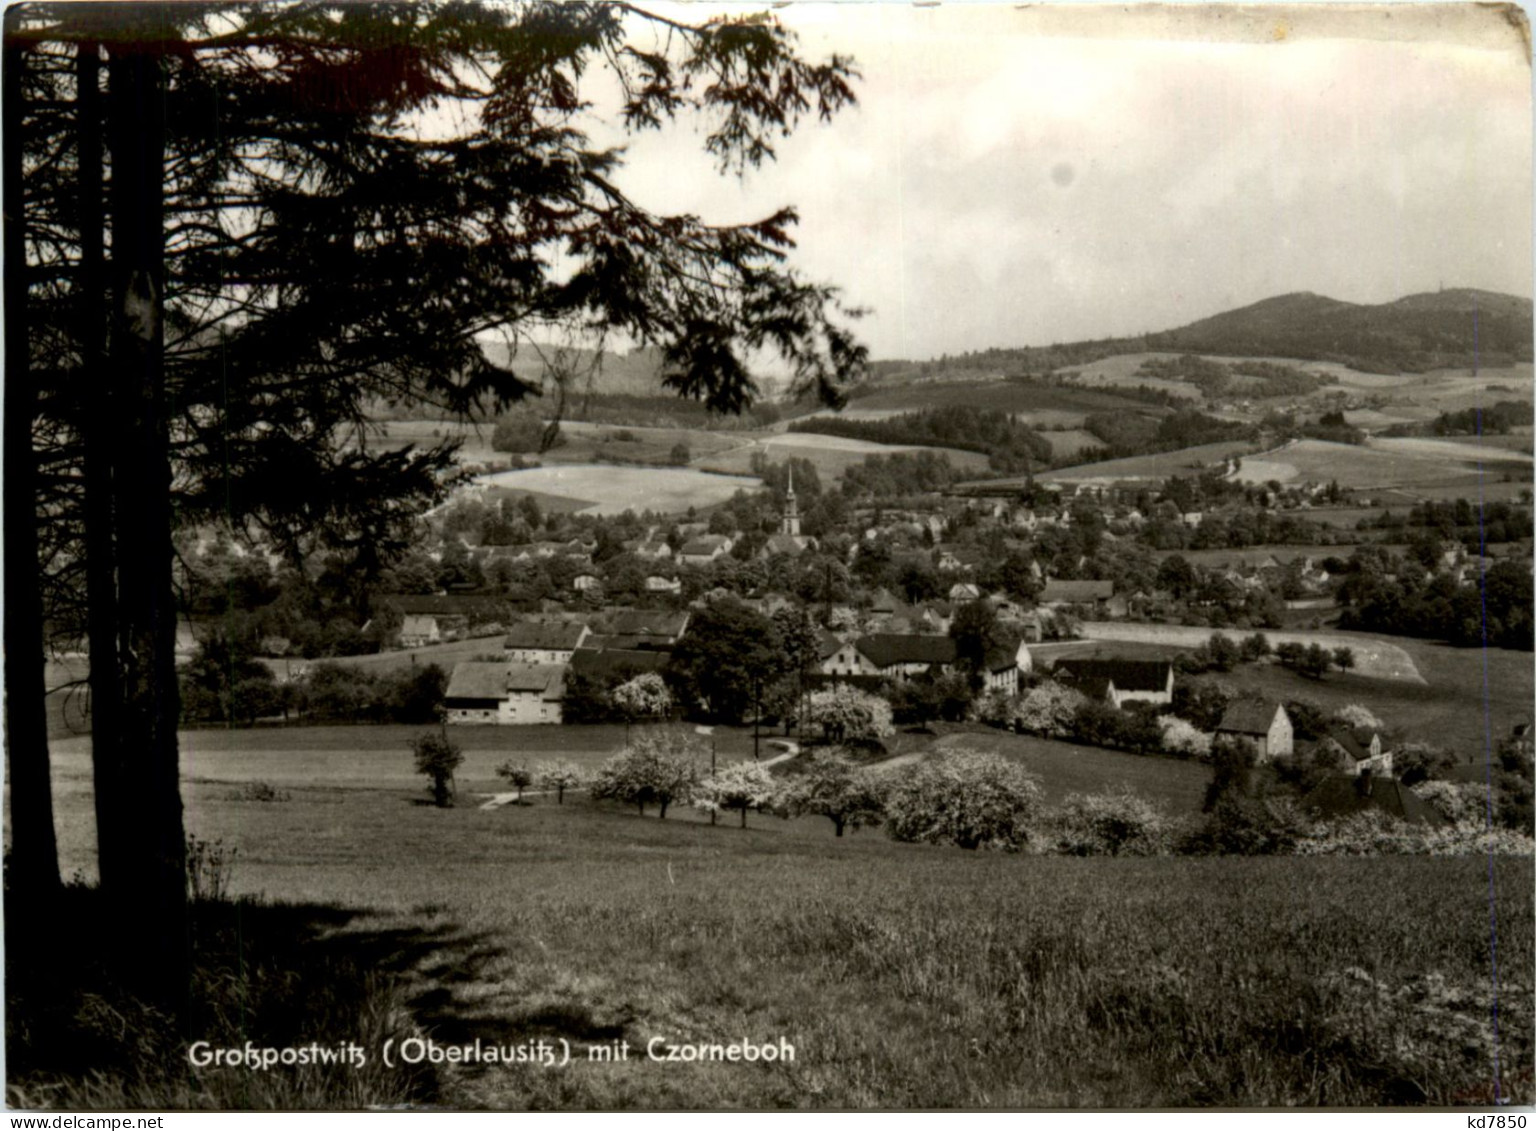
x: 276, y: 976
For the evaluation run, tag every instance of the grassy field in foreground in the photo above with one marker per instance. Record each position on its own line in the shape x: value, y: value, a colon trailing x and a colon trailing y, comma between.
x: 902, y: 976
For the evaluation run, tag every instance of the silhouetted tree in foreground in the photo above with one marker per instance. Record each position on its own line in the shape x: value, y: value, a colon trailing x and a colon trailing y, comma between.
x: 243, y: 224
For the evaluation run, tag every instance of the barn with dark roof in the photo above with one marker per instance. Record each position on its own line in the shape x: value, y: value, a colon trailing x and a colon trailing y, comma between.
x: 1343, y: 795
x: 1118, y: 681
x: 892, y: 653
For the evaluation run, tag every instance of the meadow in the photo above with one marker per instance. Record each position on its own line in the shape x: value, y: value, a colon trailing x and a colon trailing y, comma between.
x: 1009, y: 396
x: 1408, y: 463
x: 1069, y: 442
x: 614, y: 489
x: 903, y: 976
x: 1470, y: 700
x: 831, y: 455
x: 1466, y: 699
x: 1176, y: 787
x: 1160, y: 465
x: 1374, y: 656
x: 587, y: 442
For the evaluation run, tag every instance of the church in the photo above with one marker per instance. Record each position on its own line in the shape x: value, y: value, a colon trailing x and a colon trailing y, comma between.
x: 789, y: 540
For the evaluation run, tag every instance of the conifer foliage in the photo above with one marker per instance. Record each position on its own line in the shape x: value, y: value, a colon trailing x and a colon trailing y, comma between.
x: 244, y: 224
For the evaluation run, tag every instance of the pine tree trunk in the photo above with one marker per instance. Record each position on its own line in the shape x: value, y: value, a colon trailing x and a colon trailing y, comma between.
x: 142, y: 840
x: 34, y: 863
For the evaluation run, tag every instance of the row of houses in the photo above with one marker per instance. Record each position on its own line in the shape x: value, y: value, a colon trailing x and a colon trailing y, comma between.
x: 899, y: 655
x: 1353, y: 751
x: 528, y: 684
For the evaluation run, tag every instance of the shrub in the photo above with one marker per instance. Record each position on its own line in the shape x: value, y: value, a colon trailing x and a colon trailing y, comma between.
x: 1223, y: 652
x: 209, y: 865
x: 968, y: 798
x: 1243, y: 826
x: 517, y: 775
x: 437, y: 757
x: 1256, y: 647
x: 657, y: 769
x: 1182, y: 739
x: 1232, y: 762
x: 1110, y: 824
x: 1095, y: 723
x: 412, y: 695
x: 1353, y: 715
x: 833, y: 787
x: 560, y: 775
x: 522, y: 431
x: 644, y: 697
x: 923, y: 699
x: 1373, y: 833
x: 1048, y: 710
x: 259, y: 791
x: 847, y: 714
x: 740, y: 786
x: 1203, y: 702
x: 1417, y: 762
x: 998, y: 709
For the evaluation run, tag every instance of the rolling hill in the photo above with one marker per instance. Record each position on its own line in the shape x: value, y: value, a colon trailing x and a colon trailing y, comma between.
x: 1445, y: 329
x: 1461, y: 328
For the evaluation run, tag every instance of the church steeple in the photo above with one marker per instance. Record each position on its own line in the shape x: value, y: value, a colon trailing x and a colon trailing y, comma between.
x: 790, y: 524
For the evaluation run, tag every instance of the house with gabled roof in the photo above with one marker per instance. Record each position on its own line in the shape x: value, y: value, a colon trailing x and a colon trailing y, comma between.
x: 1058, y: 593
x: 847, y: 660
x: 1353, y: 751
x: 1003, y: 666
x: 429, y: 619
x: 503, y: 694
x: 704, y: 549
x: 657, y: 626
x: 1118, y: 681
x: 652, y: 549
x: 1264, y: 724
x: 903, y: 654
x: 892, y: 654
x: 951, y: 558
x: 420, y: 629
x: 536, y: 642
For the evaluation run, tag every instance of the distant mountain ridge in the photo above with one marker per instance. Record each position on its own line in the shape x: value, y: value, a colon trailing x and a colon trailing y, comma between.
x: 1441, y: 329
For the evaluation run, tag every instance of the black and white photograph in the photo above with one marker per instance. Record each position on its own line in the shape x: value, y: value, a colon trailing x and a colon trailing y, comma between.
x: 819, y: 556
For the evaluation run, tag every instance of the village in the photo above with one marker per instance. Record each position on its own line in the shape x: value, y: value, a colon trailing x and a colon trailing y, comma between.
x: 1033, y: 608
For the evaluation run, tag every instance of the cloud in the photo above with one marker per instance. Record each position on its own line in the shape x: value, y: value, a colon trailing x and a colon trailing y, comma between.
x: 1016, y: 177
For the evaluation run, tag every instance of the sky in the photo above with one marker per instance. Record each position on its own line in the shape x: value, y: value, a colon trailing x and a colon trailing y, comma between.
x: 1026, y: 175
